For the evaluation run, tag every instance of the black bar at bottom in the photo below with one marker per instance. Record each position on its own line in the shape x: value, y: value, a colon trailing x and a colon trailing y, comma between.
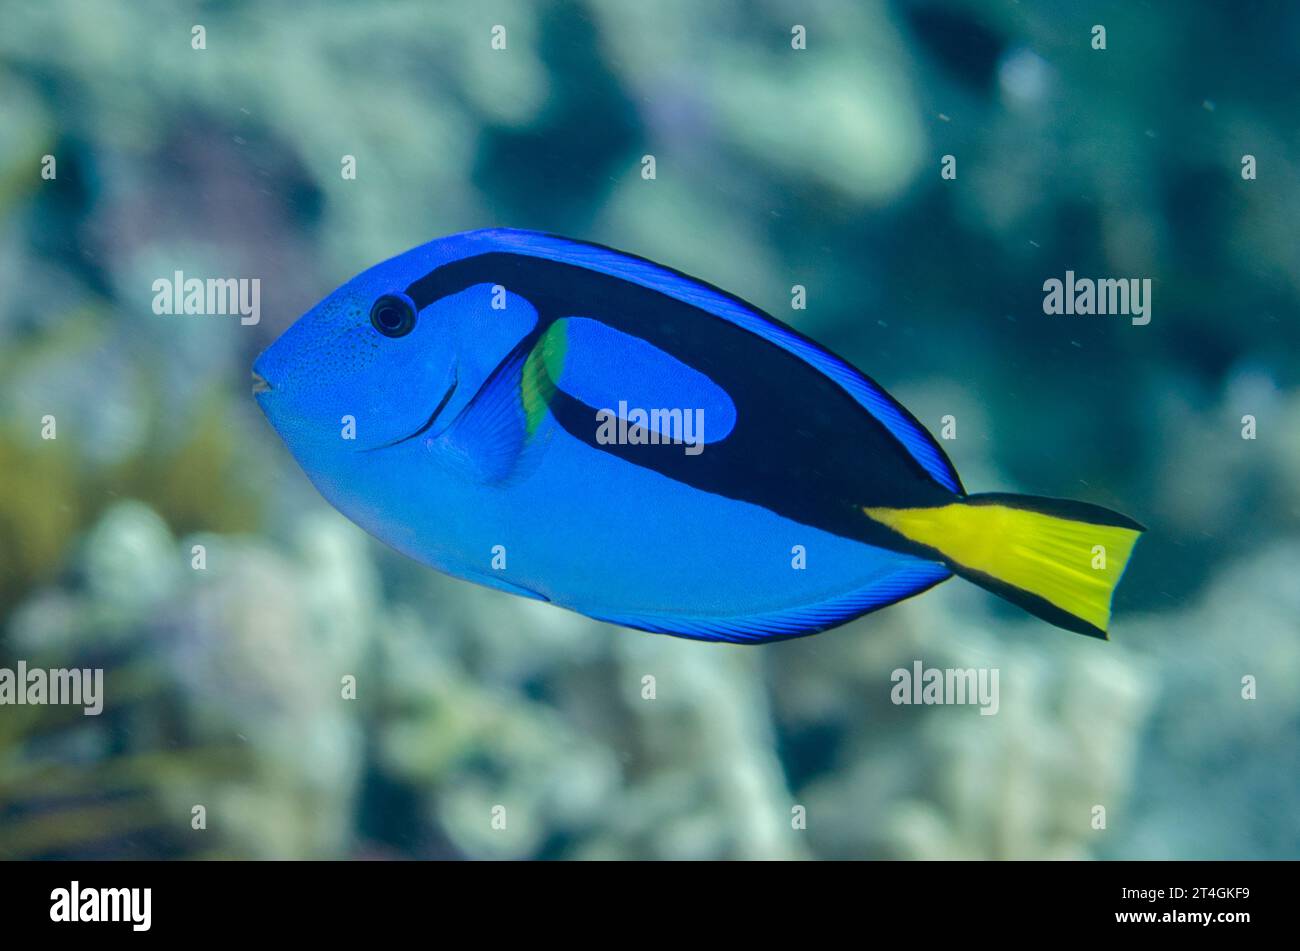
x: 330, y: 901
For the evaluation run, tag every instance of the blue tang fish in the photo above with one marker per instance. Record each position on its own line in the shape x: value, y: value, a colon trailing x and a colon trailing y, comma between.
x: 570, y: 423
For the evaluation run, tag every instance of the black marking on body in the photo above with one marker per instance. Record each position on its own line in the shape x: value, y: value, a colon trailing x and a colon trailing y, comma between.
x: 802, y: 447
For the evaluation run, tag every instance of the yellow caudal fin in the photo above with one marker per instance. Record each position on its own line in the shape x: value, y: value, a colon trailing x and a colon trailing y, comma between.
x: 1058, y: 560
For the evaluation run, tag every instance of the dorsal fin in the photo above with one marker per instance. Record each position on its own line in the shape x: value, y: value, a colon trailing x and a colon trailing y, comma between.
x: 866, y: 392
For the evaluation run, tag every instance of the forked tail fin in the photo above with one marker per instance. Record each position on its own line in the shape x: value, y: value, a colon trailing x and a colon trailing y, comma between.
x: 1057, y: 559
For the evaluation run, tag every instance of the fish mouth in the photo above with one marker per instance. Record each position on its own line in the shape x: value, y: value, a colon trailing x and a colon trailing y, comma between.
x: 442, y: 404
x: 260, y: 384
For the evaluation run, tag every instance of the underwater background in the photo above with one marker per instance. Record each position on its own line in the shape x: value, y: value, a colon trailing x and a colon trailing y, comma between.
x: 773, y: 167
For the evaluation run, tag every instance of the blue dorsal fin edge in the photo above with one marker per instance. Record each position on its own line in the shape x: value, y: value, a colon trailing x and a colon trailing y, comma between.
x: 900, y: 423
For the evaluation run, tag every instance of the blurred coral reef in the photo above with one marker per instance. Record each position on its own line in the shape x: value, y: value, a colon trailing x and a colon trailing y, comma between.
x: 775, y: 167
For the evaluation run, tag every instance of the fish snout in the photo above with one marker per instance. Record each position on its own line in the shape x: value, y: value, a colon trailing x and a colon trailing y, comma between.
x: 260, y: 384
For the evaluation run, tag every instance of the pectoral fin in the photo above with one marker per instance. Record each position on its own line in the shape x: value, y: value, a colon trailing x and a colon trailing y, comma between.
x: 502, y: 430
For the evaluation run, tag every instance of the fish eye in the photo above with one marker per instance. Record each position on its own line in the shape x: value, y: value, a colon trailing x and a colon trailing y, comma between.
x: 393, y: 315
